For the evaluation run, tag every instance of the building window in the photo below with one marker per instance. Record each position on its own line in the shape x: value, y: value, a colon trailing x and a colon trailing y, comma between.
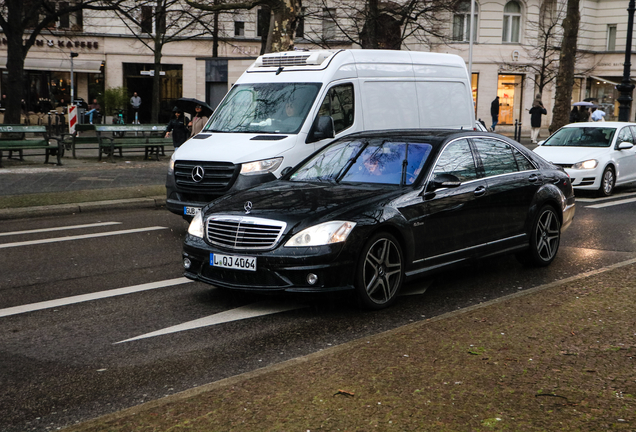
x: 262, y: 22
x: 146, y: 19
x: 300, y: 26
x: 511, y: 22
x: 461, y: 22
x: 329, y: 23
x: 611, y: 37
x: 239, y: 28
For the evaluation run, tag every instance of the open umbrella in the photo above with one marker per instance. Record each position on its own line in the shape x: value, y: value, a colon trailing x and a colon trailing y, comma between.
x: 583, y: 103
x: 188, y: 105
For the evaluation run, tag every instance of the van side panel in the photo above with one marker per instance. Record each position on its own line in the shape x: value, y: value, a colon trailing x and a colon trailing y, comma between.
x: 389, y: 105
x: 444, y: 104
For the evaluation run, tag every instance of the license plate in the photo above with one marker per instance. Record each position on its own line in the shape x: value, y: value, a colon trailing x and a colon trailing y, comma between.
x: 191, y: 211
x: 233, y: 262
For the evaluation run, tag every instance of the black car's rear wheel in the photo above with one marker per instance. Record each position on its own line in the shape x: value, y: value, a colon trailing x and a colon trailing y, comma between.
x: 545, y: 236
x: 380, y: 272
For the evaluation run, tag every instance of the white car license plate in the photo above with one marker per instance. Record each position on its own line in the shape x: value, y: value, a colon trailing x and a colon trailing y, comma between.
x: 233, y: 262
x: 191, y: 211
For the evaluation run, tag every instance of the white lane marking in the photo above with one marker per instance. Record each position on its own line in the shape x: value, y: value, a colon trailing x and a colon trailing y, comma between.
x: 59, y: 228
x: 93, y: 296
x: 613, y: 203
x: 244, y: 312
x: 622, y: 195
x: 80, y: 237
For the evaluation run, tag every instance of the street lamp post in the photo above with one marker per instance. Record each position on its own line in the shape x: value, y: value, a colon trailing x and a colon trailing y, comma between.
x: 626, y: 87
x: 73, y: 55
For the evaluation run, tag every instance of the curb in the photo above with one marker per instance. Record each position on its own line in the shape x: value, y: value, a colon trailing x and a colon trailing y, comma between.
x: 66, y: 209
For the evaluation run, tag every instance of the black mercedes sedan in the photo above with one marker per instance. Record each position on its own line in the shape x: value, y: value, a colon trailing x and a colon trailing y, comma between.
x: 375, y: 209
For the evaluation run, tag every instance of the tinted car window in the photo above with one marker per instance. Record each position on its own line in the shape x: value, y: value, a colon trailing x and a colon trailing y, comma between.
x: 625, y: 135
x: 582, y: 137
x: 522, y: 162
x: 338, y: 104
x: 496, y: 157
x: 329, y: 163
x: 457, y: 159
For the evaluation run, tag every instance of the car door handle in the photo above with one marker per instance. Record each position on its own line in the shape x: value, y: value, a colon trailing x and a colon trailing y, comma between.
x: 481, y: 190
x: 533, y: 178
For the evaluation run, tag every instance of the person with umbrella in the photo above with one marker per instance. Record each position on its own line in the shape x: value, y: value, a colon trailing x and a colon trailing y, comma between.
x: 198, y: 121
x: 177, y: 127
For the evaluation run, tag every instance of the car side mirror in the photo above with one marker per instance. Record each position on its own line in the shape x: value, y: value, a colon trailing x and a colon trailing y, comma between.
x: 285, y: 171
x: 444, y: 181
x: 540, y: 143
x: 322, y: 128
x: 625, y: 145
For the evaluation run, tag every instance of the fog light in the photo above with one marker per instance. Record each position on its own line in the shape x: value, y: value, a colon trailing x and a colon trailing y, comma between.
x: 312, y: 279
x: 187, y: 263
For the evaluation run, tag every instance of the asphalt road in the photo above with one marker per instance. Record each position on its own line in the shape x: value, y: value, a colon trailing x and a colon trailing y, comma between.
x: 95, y: 315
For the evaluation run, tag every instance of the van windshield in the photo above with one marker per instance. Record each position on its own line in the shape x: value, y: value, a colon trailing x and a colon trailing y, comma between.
x: 279, y: 108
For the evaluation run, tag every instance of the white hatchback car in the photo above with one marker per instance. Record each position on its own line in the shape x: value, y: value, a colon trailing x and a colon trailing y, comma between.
x: 596, y: 155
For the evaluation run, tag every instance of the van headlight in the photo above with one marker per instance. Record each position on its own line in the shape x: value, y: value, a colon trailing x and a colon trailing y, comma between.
x: 173, y: 159
x: 261, y: 167
x: 322, y: 234
x: 588, y: 164
x: 196, y: 226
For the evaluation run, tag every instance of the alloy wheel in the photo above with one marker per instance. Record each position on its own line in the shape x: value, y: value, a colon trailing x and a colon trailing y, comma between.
x: 382, y: 271
x: 548, y: 235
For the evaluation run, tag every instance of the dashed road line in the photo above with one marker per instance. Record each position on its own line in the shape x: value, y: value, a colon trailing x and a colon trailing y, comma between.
x: 63, y: 228
x: 92, y: 296
x: 613, y: 203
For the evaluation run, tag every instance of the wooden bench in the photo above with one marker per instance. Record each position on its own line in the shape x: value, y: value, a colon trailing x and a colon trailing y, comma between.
x: 13, y: 138
x: 120, y: 137
x: 72, y: 141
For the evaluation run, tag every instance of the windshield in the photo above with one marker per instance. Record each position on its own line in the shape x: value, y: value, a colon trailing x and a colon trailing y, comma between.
x: 397, y: 163
x: 264, y: 108
x: 582, y: 137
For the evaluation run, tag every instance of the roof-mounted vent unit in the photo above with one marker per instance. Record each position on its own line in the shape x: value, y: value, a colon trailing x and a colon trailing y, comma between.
x: 293, y: 58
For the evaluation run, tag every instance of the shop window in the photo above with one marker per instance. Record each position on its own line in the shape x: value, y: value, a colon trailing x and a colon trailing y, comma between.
x: 511, y: 22
x: 462, y: 24
x: 474, y: 80
x: 611, y: 37
x: 509, y: 90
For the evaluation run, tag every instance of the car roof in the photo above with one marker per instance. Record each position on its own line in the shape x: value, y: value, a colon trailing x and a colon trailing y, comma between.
x: 439, y: 134
x: 613, y: 124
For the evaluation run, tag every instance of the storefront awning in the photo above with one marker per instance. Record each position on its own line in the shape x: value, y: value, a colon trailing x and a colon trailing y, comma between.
x: 59, y: 65
x: 603, y: 79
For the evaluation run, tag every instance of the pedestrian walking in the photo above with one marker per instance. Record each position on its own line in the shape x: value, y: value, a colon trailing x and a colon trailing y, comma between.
x: 198, y: 121
x: 494, y: 113
x: 584, y: 114
x: 597, y: 115
x: 177, y: 128
x: 135, y: 103
x: 574, y: 115
x: 536, y: 112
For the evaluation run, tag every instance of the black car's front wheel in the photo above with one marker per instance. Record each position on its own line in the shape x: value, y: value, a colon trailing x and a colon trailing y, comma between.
x: 545, y: 236
x: 380, y: 272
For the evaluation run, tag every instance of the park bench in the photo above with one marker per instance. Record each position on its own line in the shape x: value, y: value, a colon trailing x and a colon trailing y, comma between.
x: 150, y: 138
x: 72, y: 141
x: 13, y: 138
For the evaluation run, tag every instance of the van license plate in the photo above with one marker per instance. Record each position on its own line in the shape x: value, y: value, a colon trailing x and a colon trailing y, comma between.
x: 233, y: 262
x: 191, y: 211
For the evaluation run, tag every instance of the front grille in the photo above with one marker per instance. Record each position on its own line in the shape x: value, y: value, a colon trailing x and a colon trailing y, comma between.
x: 218, y: 177
x: 289, y: 60
x: 564, y: 165
x: 244, y: 232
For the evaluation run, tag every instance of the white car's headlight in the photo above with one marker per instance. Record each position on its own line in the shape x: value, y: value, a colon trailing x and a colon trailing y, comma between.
x: 322, y: 234
x: 171, y: 164
x: 196, y: 226
x: 261, y: 167
x: 588, y: 164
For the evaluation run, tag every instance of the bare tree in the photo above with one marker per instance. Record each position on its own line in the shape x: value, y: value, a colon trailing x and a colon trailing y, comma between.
x: 283, y: 22
x: 375, y: 24
x: 22, y: 21
x: 156, y: 23
x: 567, y: 59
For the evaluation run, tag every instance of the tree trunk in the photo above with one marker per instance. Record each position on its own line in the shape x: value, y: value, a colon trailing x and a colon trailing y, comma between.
x: 16, y: 53
x: 282, y: 28
x: 567, y: 59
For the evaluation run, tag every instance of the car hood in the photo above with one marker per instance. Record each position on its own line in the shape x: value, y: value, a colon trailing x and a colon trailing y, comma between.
x: 570, y: 155
x: 234, y: 147
x: 305, y: 203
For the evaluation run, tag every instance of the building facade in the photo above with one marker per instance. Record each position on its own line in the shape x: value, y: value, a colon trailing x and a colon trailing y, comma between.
x: 505, y: 55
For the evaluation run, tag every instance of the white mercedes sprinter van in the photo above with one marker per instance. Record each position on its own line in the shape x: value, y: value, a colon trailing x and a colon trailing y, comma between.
x: 289, y: 104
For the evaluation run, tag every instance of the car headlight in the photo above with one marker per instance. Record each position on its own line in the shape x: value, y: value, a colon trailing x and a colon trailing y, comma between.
x: 322, y: 234
x: 173, y: 159
x: 261, y: 167
x: 588, y: 164
x: 196, y: 226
